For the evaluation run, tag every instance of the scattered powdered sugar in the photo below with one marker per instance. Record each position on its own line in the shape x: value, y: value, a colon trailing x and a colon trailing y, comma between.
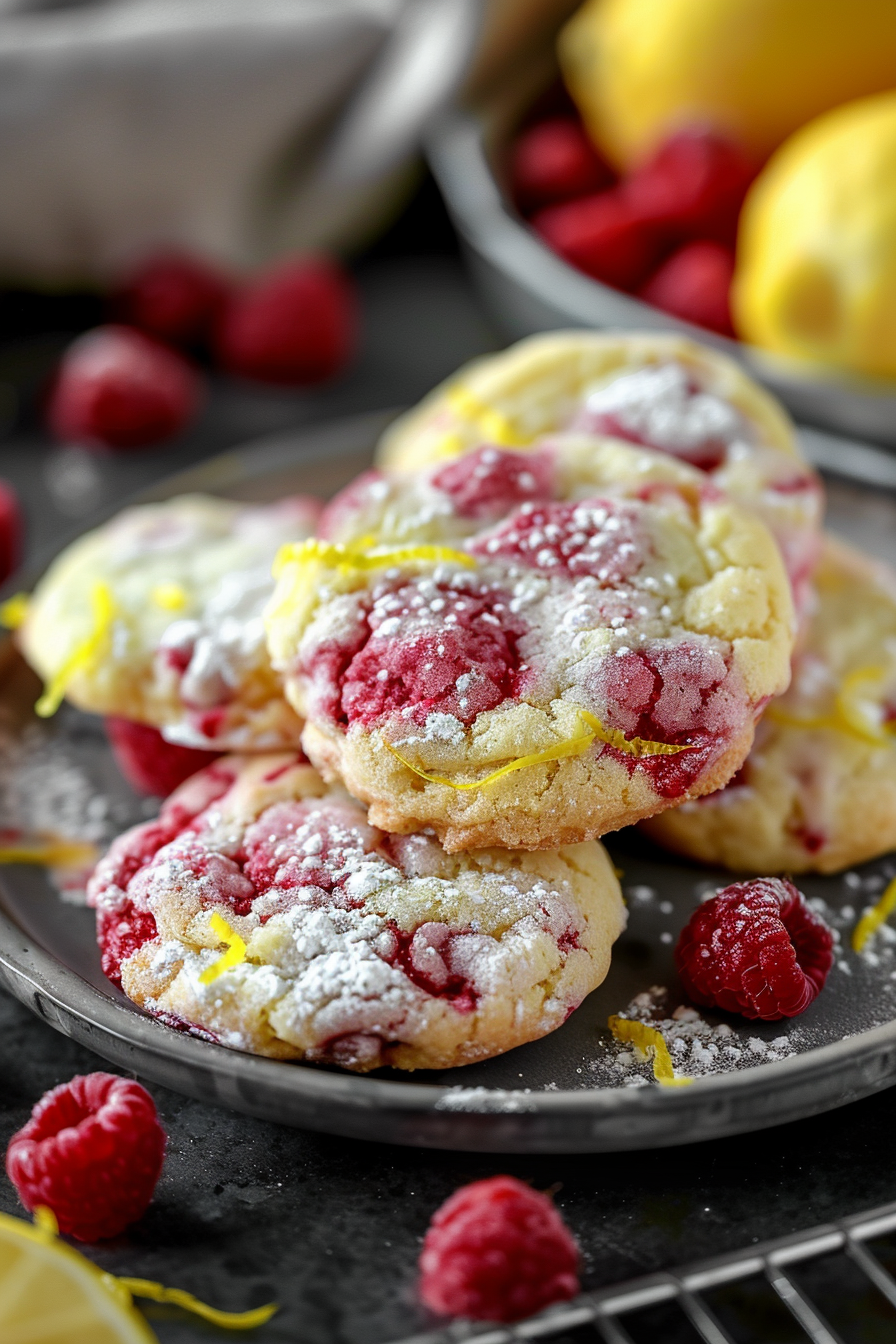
x: 698, y: 1047
x: 488, y: 1099
x: 45, y: 794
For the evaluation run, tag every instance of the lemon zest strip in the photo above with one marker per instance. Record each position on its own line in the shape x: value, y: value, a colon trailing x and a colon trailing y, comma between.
x: 651, y: 1043
x: 571, y: 746
x: 86, y: 653
x: 45, y: 1220
x: 497, y: 427
x: 847, y: 716
x: 873, y: 918
x: 54, y: 853
x: 236, y: 950
x: 230, y: 1320
x: 45, y: 1223
x: 14, y: 611
x: 358, y: 556
x: 169, y: 596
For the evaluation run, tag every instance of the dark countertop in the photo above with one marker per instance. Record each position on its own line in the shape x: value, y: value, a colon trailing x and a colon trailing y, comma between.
x: 247, y: 1212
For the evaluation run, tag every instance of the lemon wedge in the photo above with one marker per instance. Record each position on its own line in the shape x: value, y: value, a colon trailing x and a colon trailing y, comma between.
x: 51, y: 1294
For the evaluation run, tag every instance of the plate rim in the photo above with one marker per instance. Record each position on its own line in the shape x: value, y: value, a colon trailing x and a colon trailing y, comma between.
x: 866, y: 1061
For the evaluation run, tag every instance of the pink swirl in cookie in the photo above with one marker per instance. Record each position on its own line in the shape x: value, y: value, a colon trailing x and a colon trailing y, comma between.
x: 430, y: 957
x: 606, y: 538
x: 423, y: 647
x: 680, y: 694
x: 349, y: 502
x: 663, y: 407
x: 489, y: 482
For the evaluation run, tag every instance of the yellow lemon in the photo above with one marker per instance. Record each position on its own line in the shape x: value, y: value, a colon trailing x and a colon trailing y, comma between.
x: 754, y: 69
x: 816, y: 255
x: 50, y: 1294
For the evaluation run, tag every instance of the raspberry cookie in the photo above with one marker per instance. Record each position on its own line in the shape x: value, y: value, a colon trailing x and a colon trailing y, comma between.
x: 660, y: 391
x: 263, y: 910
x: 818, y: 791
x: 156, y: 617
x: 531, y: 649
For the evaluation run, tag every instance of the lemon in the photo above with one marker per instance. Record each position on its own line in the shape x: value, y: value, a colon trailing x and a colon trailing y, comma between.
x: 816, y: 256
x: 50, y: 1294
x: 754, y: 69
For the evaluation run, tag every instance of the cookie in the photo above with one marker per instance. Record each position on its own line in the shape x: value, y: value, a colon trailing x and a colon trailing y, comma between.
x: 156, y: 617
x: 818, y: 791
x: 532, y: 649
x: 660, y: 391
x: 263, y: 910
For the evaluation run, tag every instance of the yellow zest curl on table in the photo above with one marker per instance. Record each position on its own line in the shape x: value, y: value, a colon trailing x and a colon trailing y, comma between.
x: 229, y: 1320
x: 235, y: 954
x: 86, y: 653
x: 873, y: 918
x: 850, y: 714
x: 594, y: 731
x: 54, y: 852
x: 47, y: 1230
x: 14, y: 611
x: 650, y: 1042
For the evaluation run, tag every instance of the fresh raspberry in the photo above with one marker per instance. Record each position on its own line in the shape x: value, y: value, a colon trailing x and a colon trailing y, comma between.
x: 497, y: 1251
x: 118, y: 388
x: 555, y: 161
x: 604, y: 236
x: 694, y: 284
x: 755, y: 949
x: 11, y: 530
x: 92, y: 1153
x: 296, y: 324
x: 694, y: 185
x: 173, y: 296
x: 149, y: 763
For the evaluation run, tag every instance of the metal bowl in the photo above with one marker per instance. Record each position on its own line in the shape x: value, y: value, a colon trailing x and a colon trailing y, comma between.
x: 528, y: 288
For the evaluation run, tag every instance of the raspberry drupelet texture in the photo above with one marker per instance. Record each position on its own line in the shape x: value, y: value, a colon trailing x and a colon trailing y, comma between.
x: 756, y: 949
x: 119, y: 388
x: 497, y: 1250
x: 91, y: 1153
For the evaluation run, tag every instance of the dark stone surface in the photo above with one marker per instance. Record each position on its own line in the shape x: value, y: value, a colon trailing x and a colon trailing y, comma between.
x: 247, y: 1212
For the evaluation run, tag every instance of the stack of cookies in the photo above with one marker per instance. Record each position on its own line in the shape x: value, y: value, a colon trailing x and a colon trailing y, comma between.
x: 562, y: 603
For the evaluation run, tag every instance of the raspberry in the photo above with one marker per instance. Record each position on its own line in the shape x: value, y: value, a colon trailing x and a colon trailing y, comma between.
x: 11, y: 530
x: 295, y: 325
x: 92, y: 1153
x: 497, y: 1251
x: 694, y: 284
x: 149, y: 763
x: 172, y: 296
x: 118, y: 388
x: 604, y: 236
x: 755, y: 949
x: 694, y: 185
x: 555, y: 161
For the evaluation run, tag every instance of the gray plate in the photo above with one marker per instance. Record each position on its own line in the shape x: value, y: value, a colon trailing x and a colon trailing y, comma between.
x: 567, y: 1093
x: 528, y: 288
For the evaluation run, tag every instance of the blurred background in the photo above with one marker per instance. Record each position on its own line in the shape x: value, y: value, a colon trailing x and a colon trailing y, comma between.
x: 220, y: 220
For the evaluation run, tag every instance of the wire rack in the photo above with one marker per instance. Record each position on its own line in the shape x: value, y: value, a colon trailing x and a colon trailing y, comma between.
x: 609, y: 1313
